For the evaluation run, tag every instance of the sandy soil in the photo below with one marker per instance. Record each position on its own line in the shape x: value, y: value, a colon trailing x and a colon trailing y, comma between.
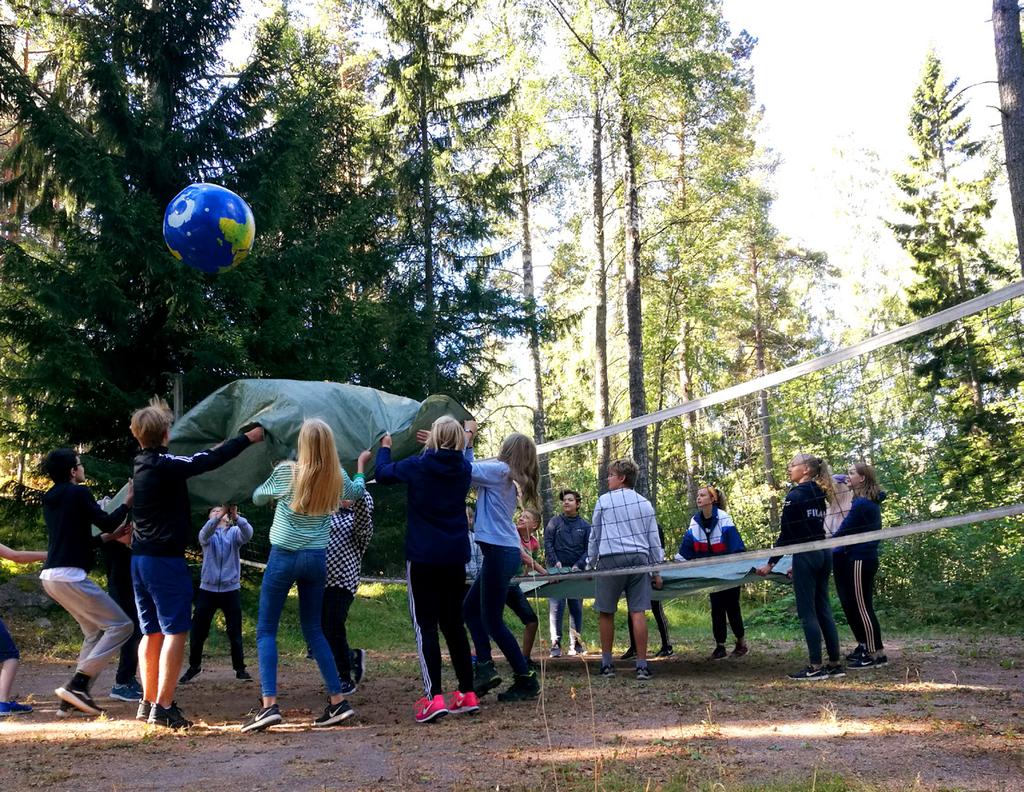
x: 943, y: 715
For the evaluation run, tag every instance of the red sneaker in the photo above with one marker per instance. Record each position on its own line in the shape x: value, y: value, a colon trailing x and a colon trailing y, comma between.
x: 428, y: 709
x: 463, y: 703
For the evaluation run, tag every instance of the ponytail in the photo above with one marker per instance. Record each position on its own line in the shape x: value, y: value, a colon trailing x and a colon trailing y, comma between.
x: 821, y: 474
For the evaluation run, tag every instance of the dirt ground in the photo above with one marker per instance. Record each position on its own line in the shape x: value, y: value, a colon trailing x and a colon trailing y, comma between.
x: 945, y: 714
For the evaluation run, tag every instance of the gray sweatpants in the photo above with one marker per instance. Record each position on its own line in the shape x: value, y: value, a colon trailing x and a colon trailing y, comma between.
x: 104, y: 624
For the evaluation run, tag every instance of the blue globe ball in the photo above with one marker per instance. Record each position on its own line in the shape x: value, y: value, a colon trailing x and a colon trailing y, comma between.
x: 209, y: 227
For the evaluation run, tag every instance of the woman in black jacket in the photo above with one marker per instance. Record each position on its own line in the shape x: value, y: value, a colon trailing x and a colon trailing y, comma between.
x: 803, y: 520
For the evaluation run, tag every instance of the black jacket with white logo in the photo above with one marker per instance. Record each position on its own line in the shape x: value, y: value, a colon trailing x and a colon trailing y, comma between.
x: 162, y: 511
x: 803, y: 516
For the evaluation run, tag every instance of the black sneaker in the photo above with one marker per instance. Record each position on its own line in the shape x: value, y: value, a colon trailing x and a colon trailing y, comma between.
x: 357, y: 659
x: 189, y: 675
x: 880, y: 660
x: 809, y: 674
x: 532, y: 665
x: 262, y: 718
x: 719, y: 653
x: 168, y: 717
x: 629, y: 654
x: 857, y: 653
x: 579, y: 649
x: 835, y: 671
x: 347, y: 687
x: 665, y: 651
x: 524, y: 687
x: 243, y: 676
x: 607, y: 670
x: 65, y: 710
x: 556, y: 650
x: 142, y: 714
x: 334, y: 713
x: 485, y: 678
x: 643, y: 673
x: 78, y: 698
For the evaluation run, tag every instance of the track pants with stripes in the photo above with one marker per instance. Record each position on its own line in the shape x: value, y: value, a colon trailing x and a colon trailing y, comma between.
x: 435, y: 605
x: 855, y: 584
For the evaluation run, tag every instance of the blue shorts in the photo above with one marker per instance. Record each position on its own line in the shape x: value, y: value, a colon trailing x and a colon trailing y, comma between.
x: 163, y: 594
x: 8, y: 651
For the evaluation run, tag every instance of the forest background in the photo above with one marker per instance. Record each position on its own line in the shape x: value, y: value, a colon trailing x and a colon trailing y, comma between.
x: 560, y: 213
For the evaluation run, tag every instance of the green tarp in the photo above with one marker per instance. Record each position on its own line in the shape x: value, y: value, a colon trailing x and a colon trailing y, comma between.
x: 359, y: 417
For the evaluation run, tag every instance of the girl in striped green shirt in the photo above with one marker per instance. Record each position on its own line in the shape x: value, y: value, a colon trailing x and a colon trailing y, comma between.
x: 307, y: 492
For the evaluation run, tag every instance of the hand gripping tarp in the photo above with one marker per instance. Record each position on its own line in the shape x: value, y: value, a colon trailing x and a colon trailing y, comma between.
x: 685, y: 580
x: 358, y: 416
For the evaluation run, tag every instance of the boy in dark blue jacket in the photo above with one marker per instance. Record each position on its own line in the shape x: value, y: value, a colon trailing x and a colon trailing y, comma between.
x: 436, y: 552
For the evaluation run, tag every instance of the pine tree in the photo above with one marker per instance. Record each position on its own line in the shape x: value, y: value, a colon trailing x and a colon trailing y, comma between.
x: 448, y: 192
x: 131, y: 104
x: 948, y: 198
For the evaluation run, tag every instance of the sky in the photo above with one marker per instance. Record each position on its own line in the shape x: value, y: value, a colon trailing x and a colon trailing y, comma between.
x: 839, y: 76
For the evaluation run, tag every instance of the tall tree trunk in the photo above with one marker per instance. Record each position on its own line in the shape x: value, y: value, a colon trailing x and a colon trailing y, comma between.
x: 634, y: 314
x: 686, y: 383
x: 530, y: 298
x: 427, y: 208
x: 1010, y: 68
x: 686, y: 347
x: 602, y: 411
x: 764, y: 420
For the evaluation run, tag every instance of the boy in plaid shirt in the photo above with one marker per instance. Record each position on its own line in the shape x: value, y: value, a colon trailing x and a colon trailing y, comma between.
x: 624, y: 534
x: 351, y: 531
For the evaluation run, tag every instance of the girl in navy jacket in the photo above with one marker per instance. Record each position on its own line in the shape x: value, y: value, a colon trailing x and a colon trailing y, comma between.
x: 436, y: 552
x: 712, y: 533
x: 856, y: 567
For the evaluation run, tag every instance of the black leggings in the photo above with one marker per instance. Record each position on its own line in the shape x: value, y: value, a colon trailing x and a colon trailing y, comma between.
x: 855, y: 584
x: 337, y: 601
x: 726, y: 605
x: 659, y: 619
x: 207, y: 603
x: 435, y: 601
x: 811, y: 572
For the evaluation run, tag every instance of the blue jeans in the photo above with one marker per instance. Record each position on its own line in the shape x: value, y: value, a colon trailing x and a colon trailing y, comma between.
x: 485, y: 605
x: 556, y: 616
x: 307, y: 568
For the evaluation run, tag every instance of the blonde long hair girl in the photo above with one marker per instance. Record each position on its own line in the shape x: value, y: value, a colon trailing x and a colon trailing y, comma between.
x: 316, y: 477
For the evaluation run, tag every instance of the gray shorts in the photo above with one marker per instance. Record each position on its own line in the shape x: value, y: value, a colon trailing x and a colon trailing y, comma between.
x: 609, y: 588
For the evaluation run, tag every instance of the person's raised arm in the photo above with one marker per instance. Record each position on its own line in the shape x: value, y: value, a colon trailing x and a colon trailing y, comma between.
x: 355, y: 487
x: 243, y: 531
x: 211, y: 458
x: 206, y: 532
x: 386, y: 471
x: 362, y: 522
